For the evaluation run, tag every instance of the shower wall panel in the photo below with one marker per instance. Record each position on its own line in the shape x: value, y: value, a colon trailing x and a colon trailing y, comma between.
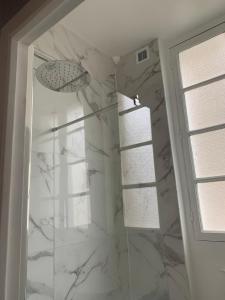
x: 40, y: 252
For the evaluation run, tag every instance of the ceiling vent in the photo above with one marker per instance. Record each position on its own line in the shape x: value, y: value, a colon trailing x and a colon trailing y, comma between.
x: 142, y: 55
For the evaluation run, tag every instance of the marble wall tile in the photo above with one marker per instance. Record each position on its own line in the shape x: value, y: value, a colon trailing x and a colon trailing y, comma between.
x: 40, y: 283
x: 148, y: 273
x: 101, y: 158
x: 87, y: 253
x: 87, y: 173
x: 41, y: 214
x: 87, y: 271
x: 40, y: 243
x: 60, y: 43
x: 167, y: 276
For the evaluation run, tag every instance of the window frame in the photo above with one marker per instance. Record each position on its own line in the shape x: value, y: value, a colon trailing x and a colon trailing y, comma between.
x: 183, y: 133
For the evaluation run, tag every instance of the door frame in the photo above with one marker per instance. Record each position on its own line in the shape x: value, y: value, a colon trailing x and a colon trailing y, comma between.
x: 15, y: 136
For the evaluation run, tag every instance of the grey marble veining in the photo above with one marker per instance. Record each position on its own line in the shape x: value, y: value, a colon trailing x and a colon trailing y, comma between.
x: 78, y: 247
x: 97, y: 251
x: 87, y: 271
x: 41, y: 221
x: 60, y: 43
x: 76, y: 220
x: 159, y: 254
x: 147, y: 270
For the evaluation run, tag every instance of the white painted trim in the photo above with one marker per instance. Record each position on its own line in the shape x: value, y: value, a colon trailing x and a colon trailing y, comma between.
x: 15, y: 38
x: 26, y: 171
x: 194, y: 33
x: 183, y: 166
x: 190, y: 173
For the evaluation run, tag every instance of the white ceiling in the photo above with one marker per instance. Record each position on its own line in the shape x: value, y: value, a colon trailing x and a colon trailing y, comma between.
x: 117, y: 27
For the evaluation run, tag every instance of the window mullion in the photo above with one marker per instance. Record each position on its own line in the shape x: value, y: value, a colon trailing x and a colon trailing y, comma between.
x: 207, y: 129
x: 210, y: 179
x: 203, y: 83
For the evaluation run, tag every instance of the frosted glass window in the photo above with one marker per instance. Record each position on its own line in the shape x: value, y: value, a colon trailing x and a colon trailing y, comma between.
x: 77, y: 178
x: 141, y: 208
x: 209, y: 153
x: 203, y: 61
x: 212, y: 205
x: 138, y: 165
x: 206, y: 105
x: 135, y: 127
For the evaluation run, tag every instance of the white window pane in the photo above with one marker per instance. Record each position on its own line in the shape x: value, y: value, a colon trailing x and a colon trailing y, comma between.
x: 135, y: 127
x: 206, y: 105
x: 125, y: 102
x: 212, y: 205
x: 209, y: 153
x: 141, y: 208
x: 138, y: 165
x: 203, y: 61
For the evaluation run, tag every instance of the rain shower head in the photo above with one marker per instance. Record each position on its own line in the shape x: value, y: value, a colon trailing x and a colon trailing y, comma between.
x: 62, y: 76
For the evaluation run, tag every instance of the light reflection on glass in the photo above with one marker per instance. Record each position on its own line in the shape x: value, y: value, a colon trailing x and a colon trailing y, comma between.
x: 72, y: 187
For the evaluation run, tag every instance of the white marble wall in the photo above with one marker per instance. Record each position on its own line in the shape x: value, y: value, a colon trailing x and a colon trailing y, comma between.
x: 40, y: 271
x: 157, y: 267
x: 60, y: 43
x: 77, y: 244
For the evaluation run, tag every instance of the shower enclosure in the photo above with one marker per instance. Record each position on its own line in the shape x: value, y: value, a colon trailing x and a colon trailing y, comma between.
x: 103, y: 214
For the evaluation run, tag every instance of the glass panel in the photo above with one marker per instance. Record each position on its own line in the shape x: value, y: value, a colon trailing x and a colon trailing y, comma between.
x: 138, y: 165
x: 77, y: 178
x: 212, y: 205
x: 75, y: 145
x: 208, y: 152
x: 203, y: 61
x: 206, y: 105
x: 141, y: 208
x: 135, y: 127
x: 74, y: 212
x: 78, y: 211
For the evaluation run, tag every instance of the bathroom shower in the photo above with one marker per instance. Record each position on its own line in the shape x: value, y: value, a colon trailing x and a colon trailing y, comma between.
x: 66, y: 76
